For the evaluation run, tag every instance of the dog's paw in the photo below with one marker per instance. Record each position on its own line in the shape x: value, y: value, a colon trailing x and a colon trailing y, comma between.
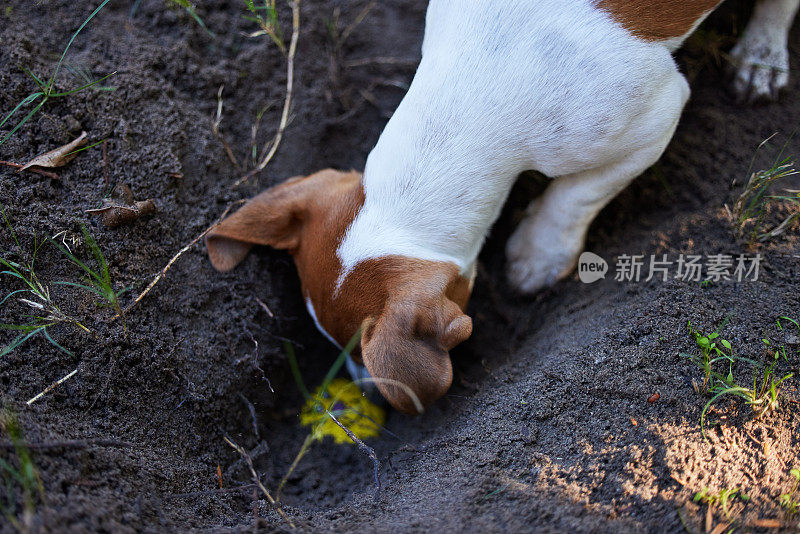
x: 759, y: 70
x: 533, y: 263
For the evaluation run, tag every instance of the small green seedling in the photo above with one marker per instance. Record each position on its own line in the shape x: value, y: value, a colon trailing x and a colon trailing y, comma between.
x: 47, y: 89
x: 750, y: 209
x: 21, y: 481
x: 266, y: 16
x: 192, y: 13
x: 787, y: 500
x: 98, y: 280
x: 713, y: 349
x: 762, y: 396
x: 36, y: 296
x: 722, y: 498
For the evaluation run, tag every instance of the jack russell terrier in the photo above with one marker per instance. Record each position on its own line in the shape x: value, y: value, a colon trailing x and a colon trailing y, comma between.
x: 583, y: 91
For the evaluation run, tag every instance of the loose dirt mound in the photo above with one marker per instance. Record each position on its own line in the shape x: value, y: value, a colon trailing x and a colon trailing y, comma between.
x: 548, y: 425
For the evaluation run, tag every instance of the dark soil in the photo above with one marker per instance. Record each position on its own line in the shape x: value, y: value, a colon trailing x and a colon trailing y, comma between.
x: 548, y: 425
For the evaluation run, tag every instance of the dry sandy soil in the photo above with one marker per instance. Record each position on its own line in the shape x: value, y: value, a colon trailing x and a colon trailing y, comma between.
x: 548, y: 425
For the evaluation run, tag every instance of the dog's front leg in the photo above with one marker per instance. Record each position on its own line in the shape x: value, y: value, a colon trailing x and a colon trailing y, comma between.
x: 761, y: 57
x: 546, y: 244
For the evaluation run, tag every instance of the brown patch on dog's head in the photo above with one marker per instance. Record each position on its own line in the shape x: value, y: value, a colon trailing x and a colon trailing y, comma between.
x: 411, y: 309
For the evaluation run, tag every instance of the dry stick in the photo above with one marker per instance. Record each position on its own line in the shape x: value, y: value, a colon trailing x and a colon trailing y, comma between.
x: 52, y: 386
x: 205, y: 493
x: 303, y: 450
x: 363, y: 62
x: 265, y: 308
x: 51, y: 175
x: 249, y: 461
x: 272, y: 146
x: 70, y: 444
x: 219, y: 136
x: 369, y: 451
x: 105, y: 161
x: 353, y: 25
x: 253, y: 417
x: 180, y: 253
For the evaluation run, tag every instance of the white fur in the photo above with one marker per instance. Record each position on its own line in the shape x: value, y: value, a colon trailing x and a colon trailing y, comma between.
x: 506, y: 86
x: 313, y: 314
x: 761, y: 55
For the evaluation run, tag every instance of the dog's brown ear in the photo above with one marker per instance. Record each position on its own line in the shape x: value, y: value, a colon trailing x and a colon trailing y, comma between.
x: 406, y: 350
x: 273, y: 218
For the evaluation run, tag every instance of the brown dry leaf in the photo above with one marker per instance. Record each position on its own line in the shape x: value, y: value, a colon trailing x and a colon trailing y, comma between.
x: 57, y: 157
x: 121, y: 208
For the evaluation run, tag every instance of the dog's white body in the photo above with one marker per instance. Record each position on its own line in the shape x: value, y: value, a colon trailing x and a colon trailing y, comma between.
x: 584, y: 91
x: 556, y: 86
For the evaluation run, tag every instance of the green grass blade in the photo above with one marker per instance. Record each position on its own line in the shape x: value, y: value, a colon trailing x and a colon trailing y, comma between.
x: 298, y: 378
x: 53, y: 341
x: 23, y: 121
x: 19, y: 340
x: 340, y: 360
x: 189, y: 9
x: 84, y: 287
x: 74, y: 35
x: 27, y: 100
x: 99, y: 258
x: 73, y: 91
x: 12, y: 294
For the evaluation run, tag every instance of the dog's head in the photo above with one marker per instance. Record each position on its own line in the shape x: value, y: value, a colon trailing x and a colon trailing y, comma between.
x: 410, y: 310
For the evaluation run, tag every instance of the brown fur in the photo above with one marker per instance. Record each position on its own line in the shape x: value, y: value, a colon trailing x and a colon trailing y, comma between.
x: 657, y: 20
x: 411, y: 309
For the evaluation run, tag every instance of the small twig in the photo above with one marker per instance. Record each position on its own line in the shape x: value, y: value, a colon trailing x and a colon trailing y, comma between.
x: 364, y: 62
x: 105, y: 161
x: 256, y: 479
x: 265, y: 308
x: 253, y: 359
x: 51, y: 175
x: 270, y: 148
x: 69, y: 444
x: 205, y: 493
x: 180, y: 253
x: 52, y: 386
x: 253, y: 417
x: 369, y: 451
x: 353, y: 25
x: 218, y: 135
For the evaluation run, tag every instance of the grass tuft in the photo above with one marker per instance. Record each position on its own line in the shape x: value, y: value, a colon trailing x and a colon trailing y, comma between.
x: 788, y: 501
x: 186, y: 5
x: 750, y: 209
x: 36, y: 295
x: 47, y: 89
x: 722, y: 498
x: 266, y: 16
x: 21, y: 481
x: 762, y: 394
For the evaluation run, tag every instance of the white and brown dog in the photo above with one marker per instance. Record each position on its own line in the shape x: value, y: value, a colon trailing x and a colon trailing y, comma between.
x: 583, y: 91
